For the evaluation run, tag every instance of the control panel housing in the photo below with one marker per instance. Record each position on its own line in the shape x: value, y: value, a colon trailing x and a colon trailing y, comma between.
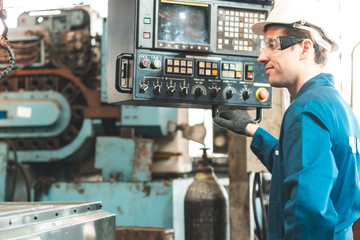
x: 185, y: 54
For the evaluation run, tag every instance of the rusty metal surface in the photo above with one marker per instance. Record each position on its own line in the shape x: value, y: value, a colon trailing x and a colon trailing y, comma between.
x: 139, y: 233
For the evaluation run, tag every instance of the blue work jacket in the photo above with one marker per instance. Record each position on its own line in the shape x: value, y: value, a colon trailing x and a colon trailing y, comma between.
x: 315, y: 166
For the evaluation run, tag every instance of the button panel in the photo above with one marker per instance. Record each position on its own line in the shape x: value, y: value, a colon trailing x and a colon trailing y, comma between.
x: 234, y: 30
x: 207, y: 68
x: 232, y: 70
x: 179, y: 66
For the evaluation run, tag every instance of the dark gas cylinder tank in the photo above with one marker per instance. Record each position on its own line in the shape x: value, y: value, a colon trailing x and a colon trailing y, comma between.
x: 206, y: 207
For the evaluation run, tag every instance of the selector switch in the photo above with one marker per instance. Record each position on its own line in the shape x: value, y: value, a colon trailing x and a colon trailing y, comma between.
x: 157, y: 89
x: 171, y: 90
x: 184, y: 91
x: 199, y: 91
x: 229, y: 94
x: 214, y: 92
x: 245, y: 95
x: 143, y: 88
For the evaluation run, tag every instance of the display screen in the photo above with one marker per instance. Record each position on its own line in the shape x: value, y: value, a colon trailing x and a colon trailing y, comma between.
x: 183, y: 23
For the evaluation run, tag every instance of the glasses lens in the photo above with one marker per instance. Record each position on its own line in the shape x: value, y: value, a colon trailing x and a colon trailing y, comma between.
x: 268, y: 45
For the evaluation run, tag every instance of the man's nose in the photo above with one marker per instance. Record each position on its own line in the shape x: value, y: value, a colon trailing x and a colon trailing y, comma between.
x: 263, y: 58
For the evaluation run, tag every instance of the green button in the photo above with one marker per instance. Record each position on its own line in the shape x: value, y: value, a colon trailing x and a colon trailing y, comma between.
x: 250, y: 68
x: 147, y: 20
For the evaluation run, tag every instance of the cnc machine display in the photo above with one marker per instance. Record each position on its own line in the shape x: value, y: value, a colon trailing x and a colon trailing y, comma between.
x: 183, y: 23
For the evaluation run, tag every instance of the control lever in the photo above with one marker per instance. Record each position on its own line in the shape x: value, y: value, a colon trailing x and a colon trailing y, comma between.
x: 259, y: 113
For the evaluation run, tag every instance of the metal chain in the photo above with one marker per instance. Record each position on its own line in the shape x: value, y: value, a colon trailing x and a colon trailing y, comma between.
x: 4, y: 44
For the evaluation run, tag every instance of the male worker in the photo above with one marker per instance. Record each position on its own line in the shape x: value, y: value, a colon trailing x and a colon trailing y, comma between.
x: 315, y: 163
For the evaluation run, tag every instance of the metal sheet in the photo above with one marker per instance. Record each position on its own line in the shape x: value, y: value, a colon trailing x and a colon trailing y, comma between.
x: 56, y: 220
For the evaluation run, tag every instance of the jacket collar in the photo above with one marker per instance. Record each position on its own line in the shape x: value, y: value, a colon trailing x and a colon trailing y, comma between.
x: 322, y: 79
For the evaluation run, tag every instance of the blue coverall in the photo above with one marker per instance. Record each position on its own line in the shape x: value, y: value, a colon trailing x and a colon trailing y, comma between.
x: 315, y: 166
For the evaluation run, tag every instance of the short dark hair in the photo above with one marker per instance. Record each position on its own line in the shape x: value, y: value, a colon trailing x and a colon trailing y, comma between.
x: 321, y: 55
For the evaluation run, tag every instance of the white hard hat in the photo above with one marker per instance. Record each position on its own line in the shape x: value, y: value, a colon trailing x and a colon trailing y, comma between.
x: 307, y: 15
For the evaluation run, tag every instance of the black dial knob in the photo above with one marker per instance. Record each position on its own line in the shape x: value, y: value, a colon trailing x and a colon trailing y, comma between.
x: 143, y: 88
x: 171, y: 90
x: 157, y: 89
x: 245, y: 95
x: 229, y: 93
x: 199, y: 91
x: 214, y: 92
x: 184, y: 91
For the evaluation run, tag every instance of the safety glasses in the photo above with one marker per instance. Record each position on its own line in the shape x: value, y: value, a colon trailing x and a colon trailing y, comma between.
x: 279, y: 43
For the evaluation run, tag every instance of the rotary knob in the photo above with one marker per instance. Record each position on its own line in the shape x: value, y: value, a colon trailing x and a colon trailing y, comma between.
x: 184, y: 91
x: 171, y: 90
x: 245, y: 94
x: 143, y: 88
x: 214, y: 92
x: 229, y: 94
x: 157, y: 89
x: 199, y: 91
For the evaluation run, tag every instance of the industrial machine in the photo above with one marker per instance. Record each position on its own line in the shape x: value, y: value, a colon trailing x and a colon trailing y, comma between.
x: 191, y: 53
x: 60, y: 140
x: 73, y: 121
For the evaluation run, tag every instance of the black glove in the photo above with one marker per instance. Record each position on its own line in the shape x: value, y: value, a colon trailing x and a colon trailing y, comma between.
x: 234, y: 120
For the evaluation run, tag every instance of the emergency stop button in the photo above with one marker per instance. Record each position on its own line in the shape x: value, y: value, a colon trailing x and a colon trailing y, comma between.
x: 262, y: 94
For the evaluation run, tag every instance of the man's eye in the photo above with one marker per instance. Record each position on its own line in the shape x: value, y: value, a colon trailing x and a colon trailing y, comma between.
x: 271, y: 44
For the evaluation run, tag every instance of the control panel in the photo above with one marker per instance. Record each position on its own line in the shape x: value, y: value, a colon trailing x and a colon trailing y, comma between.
x: 186, y: 53
x: 205, y: 80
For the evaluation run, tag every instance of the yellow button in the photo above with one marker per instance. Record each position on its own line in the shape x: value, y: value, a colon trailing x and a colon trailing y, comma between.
x: 214, y: 72
x: 238, y: 74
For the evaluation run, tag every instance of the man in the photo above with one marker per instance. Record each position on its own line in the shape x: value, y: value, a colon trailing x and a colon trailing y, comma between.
x: 315, y: 163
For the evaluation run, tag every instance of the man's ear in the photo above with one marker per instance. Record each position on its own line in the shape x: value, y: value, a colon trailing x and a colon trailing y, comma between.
x: 307, y: 48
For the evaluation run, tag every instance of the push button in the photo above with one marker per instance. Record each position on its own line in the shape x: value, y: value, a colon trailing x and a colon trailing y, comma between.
x: 249, y: 72
x: 146, y: 35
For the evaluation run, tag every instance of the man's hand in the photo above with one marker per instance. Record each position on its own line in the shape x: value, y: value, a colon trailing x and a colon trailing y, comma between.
x: 234, y: 120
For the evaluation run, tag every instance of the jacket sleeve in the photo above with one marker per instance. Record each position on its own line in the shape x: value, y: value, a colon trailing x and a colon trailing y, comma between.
x: 310, y: 173
x: 264, y: 146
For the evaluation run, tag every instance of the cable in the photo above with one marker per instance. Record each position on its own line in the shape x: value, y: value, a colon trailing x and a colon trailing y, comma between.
x: 261, y: 232
x: 22, y: 171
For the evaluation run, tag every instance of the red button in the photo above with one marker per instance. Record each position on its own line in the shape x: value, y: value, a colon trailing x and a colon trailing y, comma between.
x: 264, y: 94
x: 146, y: 35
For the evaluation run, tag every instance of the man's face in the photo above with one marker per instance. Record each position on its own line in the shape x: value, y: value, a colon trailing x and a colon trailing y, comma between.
x: 281, y: 66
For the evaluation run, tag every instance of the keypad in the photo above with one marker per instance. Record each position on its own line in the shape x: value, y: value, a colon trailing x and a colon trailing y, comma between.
x: 208, y: 69
x: 232, y: 70
x: 234, y: 29
x: 179, y: 66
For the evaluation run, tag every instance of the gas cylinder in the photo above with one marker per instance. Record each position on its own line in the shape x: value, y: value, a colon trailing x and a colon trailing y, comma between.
x: 206, y: 206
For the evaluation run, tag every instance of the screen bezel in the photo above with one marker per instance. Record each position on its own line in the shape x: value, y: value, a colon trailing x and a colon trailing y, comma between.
x: 204, y: 47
